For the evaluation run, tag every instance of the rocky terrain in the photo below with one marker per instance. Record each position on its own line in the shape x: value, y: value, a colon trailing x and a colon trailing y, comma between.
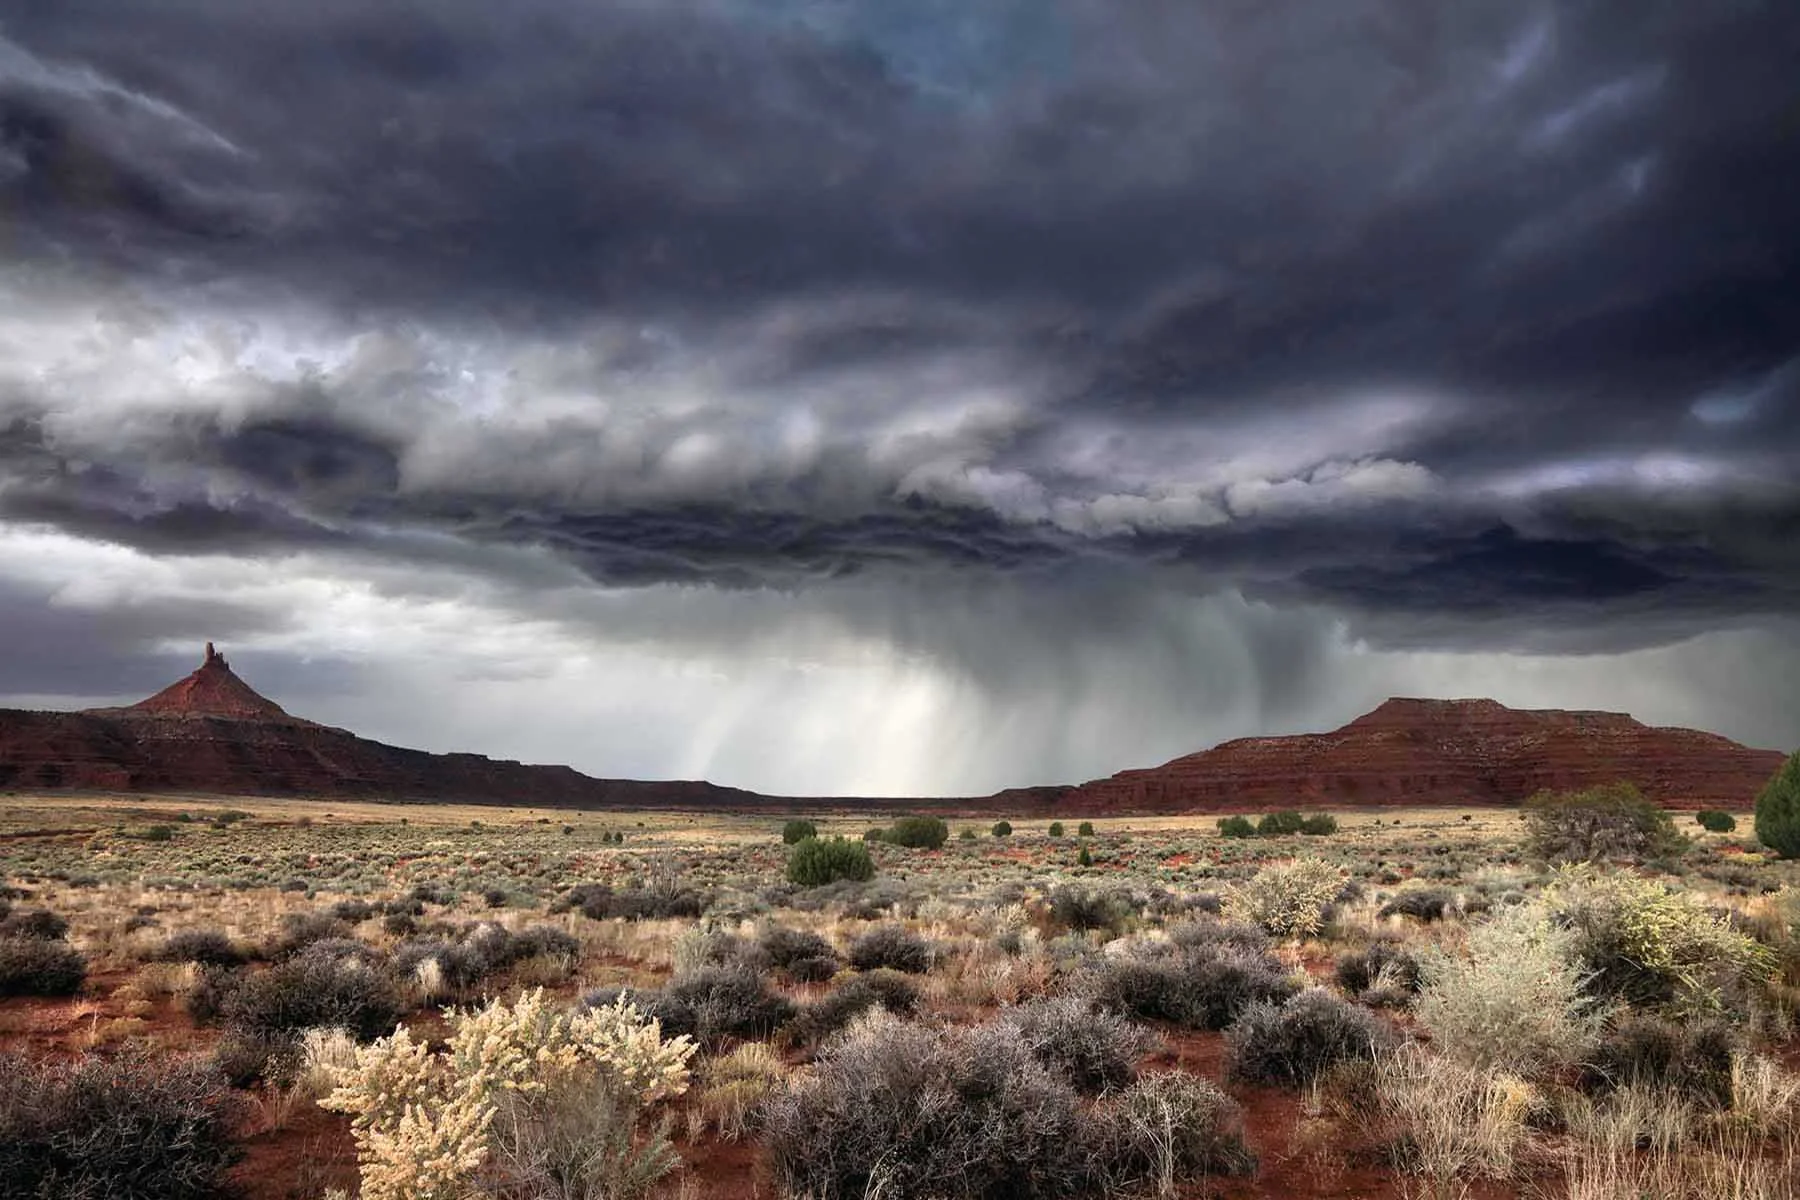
x: 1411, y: 751
x: 212, y: 733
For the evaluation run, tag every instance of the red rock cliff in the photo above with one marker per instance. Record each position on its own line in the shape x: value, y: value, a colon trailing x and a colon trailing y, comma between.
x: 1411, y: 751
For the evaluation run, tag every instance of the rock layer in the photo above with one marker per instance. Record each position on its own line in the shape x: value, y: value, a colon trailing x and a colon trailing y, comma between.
x: 1412, y: 751
x: 212, y: 733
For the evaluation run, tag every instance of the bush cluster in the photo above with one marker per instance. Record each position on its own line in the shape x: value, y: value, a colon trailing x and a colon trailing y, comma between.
x: 890, y: 947
x: 805, y: 957
x: 798, y: 830
x: 123, y: 1128
x: 1714, y: 821
x: 1095, y: 1049
x: 1082, y: 908
x: 1279, y: 824
x: 1383, y: 975
x: 919, y: 833
x: 34, y: 958
x: 1693, y: 1060
x: 973, y: 1114
x: 1201, y: 984
x: 602, y: 902
x: 1293, y: 1043
x: 834, y: 1011
x: 813, y: 863
x: 1602, y: 824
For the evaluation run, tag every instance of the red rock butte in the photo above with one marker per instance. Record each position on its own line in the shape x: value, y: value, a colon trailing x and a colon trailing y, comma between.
x: 1415, y: 751
x: 213, y: 690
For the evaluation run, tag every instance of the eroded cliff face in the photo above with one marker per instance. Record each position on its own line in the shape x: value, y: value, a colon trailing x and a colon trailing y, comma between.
x: 213, y: 733
x: 1411, y: 751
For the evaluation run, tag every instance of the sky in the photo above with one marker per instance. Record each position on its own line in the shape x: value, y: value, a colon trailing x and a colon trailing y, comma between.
x: 901, y: 397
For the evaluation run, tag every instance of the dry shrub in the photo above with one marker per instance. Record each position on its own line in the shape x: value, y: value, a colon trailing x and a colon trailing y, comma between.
x: 733, y: 1087
x: 122, y: 1128
x: 892, y: 948
x: 1094, y: 1049
x: 1444, y: 1120
x: 1517, y: 1003
x: 1202, y: 985
x: 1294, y: 1043
x: 31, y: 966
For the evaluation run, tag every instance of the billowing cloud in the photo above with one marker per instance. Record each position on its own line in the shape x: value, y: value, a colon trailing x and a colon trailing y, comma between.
x: 982, y: 379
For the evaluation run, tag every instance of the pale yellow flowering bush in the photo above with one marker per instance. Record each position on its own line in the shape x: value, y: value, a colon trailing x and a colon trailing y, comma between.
x: 1286, y: 899
x: 525, y: 1094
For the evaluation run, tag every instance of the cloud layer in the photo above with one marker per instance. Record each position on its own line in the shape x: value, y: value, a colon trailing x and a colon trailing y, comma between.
x: 972, y: 384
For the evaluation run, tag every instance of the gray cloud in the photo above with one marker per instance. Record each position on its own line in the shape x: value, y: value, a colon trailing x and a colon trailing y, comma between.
x: 1439, y: 331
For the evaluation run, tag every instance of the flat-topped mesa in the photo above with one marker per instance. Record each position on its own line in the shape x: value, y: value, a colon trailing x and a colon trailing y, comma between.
x: 213, y: 690
x: 1418, y: 751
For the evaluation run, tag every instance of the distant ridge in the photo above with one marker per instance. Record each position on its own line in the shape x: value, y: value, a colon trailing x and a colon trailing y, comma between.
x: 213, y: 733
x: 1417, y: 751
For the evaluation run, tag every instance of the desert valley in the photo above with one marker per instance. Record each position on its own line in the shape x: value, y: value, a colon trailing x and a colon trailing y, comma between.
x: 243, y: 954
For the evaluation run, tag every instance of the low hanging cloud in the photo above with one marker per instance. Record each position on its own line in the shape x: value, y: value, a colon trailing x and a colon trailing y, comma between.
x: 985, y: 382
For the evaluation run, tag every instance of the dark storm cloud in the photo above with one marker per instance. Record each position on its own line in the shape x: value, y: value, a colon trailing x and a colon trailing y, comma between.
x: 1568, y: 226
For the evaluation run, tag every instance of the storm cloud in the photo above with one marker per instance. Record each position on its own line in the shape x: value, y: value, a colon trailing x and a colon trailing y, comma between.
x: 1025, y: 389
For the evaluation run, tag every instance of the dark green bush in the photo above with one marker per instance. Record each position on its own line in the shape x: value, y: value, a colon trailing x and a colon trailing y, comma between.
x: 1236, y: 827
x: 1280, y: 824
x: 601, y: 902
x: 919, y: 833
x: 798, y: 831
x: 1600, y: 824
x: 123, y: 1128
x: 1778, y: 810
x: 1002, y: 829
x: 1085, y: 829
x: 1714, y: 821
x: 39, y: 967
x: 1294, y: 1043
x: 893, y: 947
x: 718, y: 1002
x: 814, y: 862
x: 1319, y: 825
x: 1055, y: 830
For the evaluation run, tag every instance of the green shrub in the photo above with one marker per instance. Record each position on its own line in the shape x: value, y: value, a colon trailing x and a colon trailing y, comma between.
x: 40, y: 967
x: 1085, y: 858
x: 1002, y: 829
x: 966, y: 833
x: 1236, y: 827
x: 1280, y: 823
x: 1055, y: 830
x: 1601, y: 824
x: 1714, y: 821
x: 1287, y: 899
x: 123, y: 1128
x: 1085, y: 829
x: 1319, y: 825
x: 919, y: 833
x: 1292, y: 1044
x: 1649, y: 946
x: 813, y: 862
x: 798, y: 831
x: 1778, y: 810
